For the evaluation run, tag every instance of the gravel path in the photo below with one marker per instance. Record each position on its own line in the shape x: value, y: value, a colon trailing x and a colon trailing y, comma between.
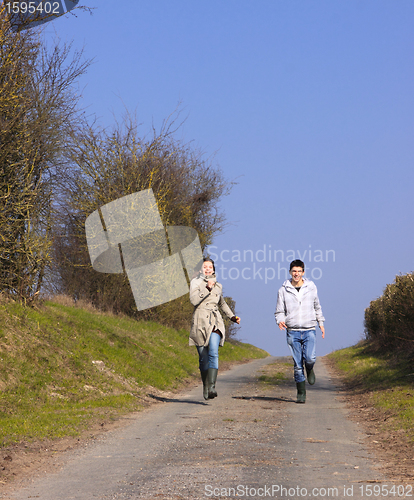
x: 250, y: 442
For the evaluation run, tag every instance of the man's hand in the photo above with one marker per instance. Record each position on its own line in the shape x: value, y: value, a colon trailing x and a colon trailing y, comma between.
x: 323, y: 331
x: 282, y: 325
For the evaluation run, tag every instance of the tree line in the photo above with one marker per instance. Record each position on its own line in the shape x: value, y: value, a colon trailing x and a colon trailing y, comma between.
x: 57, y: 167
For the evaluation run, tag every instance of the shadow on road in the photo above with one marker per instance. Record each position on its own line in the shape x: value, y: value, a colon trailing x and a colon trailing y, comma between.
x: 265, y: 398
x: 172, y: 400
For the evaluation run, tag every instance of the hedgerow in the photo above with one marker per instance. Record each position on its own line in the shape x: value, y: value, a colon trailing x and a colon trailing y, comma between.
x: 389, y: 320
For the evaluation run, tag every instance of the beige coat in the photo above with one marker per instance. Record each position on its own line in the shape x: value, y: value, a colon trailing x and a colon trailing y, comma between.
x: 206, y: 316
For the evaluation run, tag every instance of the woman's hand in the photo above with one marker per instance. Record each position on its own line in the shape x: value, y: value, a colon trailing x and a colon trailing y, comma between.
x: 236, y: 319
x: 210, y: 284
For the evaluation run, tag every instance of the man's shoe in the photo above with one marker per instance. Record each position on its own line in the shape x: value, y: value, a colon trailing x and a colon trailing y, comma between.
x: 301, y: 396
x: 212, y: 377
x: 204, y: 374
x: 311, y: 376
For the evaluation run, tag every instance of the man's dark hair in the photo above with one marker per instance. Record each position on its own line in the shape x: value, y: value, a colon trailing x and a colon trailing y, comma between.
x: 297, y: 263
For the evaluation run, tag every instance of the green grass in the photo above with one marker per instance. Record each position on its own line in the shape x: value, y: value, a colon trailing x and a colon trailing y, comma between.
x: 273, y: 379
x: 387, y: 380
x: 365, y: 369
x: 63, y: 368
x: 275, y: 373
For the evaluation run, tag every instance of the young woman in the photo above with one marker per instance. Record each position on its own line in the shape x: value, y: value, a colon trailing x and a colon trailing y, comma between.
x: 207, y: 329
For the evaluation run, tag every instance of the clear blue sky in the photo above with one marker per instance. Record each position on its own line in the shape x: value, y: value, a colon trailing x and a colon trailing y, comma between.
x: 307, y: 104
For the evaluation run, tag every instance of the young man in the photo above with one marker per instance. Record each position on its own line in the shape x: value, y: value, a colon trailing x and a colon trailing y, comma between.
x: 297, y: 311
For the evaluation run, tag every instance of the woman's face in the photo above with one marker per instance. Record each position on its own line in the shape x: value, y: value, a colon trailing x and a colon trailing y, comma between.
x: 207, y: 268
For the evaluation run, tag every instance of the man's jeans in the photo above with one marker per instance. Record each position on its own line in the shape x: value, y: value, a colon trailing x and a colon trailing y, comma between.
x: 208, y: 355
x: 302, y: 345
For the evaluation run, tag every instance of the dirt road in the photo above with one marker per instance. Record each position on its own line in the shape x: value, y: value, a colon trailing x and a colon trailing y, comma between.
x: 250, y: 442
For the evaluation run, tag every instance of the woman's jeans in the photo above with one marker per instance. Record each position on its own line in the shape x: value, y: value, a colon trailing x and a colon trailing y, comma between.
x: 208, y: 355
x: 302, y: 345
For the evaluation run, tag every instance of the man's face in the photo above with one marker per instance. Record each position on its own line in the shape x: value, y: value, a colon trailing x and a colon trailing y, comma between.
x: 296, y: 273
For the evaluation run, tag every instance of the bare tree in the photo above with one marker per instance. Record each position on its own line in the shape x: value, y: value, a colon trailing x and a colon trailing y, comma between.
x: 106, y: 165
x: 38, y: 104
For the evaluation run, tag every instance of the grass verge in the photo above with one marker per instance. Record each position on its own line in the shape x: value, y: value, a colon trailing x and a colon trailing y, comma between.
x: 380, y: 388
x: 276, y: 373
x: 64, y: 368
x: 387, y: 380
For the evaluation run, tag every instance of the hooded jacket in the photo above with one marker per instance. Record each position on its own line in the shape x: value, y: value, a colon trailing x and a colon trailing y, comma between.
x: 299, y: 310
x: 206, y: 316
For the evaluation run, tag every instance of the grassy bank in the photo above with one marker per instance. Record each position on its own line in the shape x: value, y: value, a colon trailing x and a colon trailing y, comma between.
x: 385, y: 382
x: 63, y: 368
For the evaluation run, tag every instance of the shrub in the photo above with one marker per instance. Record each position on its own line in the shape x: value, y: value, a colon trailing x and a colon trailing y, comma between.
x: 389, y: 320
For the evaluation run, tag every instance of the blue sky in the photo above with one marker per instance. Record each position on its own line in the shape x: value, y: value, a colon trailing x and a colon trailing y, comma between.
x: 308, y: 105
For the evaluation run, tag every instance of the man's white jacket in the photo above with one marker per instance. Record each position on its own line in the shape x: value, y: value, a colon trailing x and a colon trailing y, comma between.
x: 300, y: 310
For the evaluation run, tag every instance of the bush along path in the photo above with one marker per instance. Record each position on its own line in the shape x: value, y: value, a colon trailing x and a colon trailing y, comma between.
x: 377, y: 376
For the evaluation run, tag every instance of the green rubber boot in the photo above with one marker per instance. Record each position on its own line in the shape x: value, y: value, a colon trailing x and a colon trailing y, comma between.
x: 311, y: 376
x: 301, y: 396
x: 212, y: 377
x: 204, y: 374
